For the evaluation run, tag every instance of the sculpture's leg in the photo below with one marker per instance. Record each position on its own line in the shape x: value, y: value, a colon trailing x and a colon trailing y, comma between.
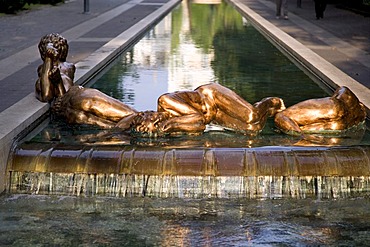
x: 95, y: 102
x: 185, y: 109
x: 81, y: 117
x: 125, y: 123
x: 229, y: 103
x: 329, y: 125
x: 237, y: 124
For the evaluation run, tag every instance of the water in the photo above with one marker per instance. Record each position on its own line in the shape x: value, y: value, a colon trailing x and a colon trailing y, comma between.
x: 28, y: 220
x: 190, y: 187
x: 199, y: 44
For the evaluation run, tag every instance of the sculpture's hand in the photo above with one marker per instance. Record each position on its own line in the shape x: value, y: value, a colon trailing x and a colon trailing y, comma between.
x: 54, y: 75
x: 52, y: 52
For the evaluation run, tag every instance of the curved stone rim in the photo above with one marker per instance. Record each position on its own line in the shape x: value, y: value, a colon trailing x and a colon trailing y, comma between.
x: 264, y: 161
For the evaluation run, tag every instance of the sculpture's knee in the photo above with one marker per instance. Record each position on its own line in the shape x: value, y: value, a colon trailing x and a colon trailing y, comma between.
x: 85, y: 104
x: 163, y: 102
x: 167, y: 103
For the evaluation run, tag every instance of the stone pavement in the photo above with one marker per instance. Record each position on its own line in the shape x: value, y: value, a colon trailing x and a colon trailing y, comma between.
x: 342, y: 37
x: 85, y: 32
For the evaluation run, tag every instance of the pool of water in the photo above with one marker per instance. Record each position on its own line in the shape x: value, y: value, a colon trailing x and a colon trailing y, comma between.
x: 197, y: 44
x: 28, y: 220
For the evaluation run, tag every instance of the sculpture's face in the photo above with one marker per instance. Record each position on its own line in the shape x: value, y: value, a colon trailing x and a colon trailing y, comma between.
x: 148, y: 123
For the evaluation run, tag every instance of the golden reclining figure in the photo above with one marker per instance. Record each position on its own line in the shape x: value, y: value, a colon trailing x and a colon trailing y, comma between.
x: 187, y: 111
x: 191, y: 111
x: 332, y: 114
x: 74, y: 103
x: 184, y: 111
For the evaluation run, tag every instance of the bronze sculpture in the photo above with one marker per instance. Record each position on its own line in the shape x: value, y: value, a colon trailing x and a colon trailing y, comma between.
x: 190, y: 111
x: 185, y: 111
x: 332, y: 114
x: 55, y: 74
x: 74, y: 103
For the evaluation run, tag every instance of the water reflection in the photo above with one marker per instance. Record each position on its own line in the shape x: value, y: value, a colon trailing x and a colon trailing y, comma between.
x: 197, y: 44
x: 58, y: 132
x: 79, y: 221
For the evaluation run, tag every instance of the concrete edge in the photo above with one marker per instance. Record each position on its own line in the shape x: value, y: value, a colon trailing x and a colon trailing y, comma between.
x: 24, y: 113
x: 325, y: 71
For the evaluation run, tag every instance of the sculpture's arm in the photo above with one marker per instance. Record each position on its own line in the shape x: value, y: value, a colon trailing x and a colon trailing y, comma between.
x: 44, y: 88
x: 127, y: 122
x: 49, y: 83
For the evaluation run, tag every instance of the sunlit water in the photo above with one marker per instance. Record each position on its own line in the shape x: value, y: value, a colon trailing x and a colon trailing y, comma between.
x: 193, y: 45
x: 77, y: 221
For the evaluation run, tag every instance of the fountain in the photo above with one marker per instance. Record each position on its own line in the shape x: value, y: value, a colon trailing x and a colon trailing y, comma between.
x: 96, y: 156
x: 188, y: 189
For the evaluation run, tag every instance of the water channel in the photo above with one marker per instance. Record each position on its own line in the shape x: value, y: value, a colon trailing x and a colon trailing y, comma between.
x: 195, y: 44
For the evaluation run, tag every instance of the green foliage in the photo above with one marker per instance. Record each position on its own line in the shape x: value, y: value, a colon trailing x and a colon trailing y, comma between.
x: 12, y: 6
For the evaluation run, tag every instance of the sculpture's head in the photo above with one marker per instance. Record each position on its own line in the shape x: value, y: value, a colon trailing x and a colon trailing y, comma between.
x: 58, y: 42
x: 356, y: 111
x: 345, y: 95
x: 148, y: 123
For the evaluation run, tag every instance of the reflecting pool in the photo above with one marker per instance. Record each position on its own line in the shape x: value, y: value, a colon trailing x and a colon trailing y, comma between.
x: 194, y: 45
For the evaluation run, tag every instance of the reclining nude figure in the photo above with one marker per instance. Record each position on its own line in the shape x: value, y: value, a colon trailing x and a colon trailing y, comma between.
x: 339, y: 112
x: 74, y: 103
x: 184, y: 112
x: 191, y: 111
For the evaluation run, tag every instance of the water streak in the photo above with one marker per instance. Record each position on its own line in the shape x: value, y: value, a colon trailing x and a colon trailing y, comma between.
x: 169, y: 186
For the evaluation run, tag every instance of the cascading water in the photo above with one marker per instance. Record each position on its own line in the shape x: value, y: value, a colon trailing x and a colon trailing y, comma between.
x: 169, y: 186
x: 191, y: 173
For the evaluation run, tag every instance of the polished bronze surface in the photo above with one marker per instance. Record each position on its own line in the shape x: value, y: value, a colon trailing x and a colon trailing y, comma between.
x: 74, y: 103
x: 186, y: 111
x: 90, y: 106
x: 332, y: 114
x: 55, y: 74
x: 191, y: 111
